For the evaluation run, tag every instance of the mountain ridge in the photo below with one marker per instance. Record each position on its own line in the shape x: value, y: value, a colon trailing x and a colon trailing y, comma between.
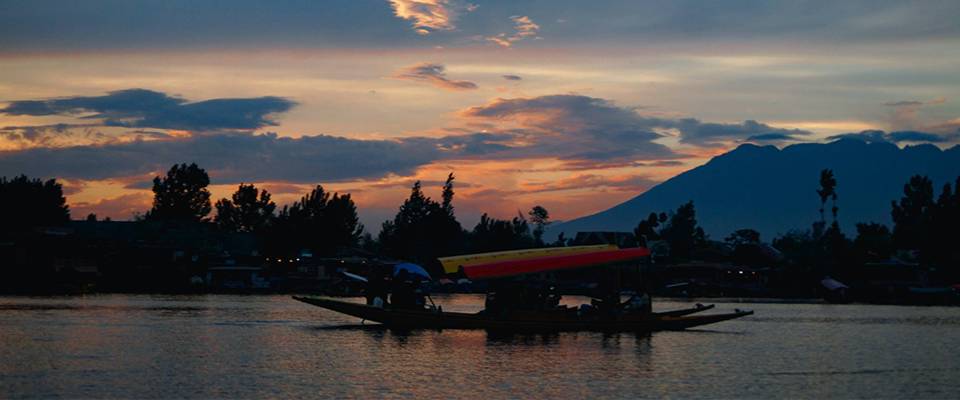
x: 773, y: 190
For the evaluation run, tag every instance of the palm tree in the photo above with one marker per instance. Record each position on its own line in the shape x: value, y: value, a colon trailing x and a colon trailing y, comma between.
x: 828, y: 186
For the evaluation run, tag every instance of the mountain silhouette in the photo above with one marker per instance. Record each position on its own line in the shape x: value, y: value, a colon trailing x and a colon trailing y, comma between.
x: 774, y: 190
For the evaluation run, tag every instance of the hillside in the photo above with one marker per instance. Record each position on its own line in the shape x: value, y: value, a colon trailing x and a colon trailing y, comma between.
x: 774, y: 190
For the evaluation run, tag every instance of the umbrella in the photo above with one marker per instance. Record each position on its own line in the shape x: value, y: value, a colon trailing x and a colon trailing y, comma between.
x: 412, y: 269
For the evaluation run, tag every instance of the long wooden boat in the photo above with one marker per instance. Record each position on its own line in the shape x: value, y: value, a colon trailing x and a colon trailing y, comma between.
x: 453, y: 264
x: 537, y: 321
x: 509, y: 268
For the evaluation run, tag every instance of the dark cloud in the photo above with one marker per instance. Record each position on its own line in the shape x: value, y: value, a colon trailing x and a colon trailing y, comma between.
x: 59, y: 135
x: 903, y: 103
x: 572, y: 127
x: 582, y: 127
x: 877, y: 136
x: 230, y: 158
x: 39, y: 134
x: 141, y: 108
x: 584, y: 132
x: 100, y: 24
x: 433, y: 74
x: 773, y: 137
x: 914, y: 136
x: 512, y: 77
x: 694, y: 131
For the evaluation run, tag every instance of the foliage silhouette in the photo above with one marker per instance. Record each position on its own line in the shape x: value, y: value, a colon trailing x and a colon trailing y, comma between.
x: 873, y: 243
x: 743, y: 236
x: 540, y: 218
x: 679, y: 229
x: 423, y: 229
x: 181, y: 196
x: 928, y: 226
x: 248, y: 210
x: 827, y: 190
x: 646, y: 230
x: 682, y: 233
x: 492, y: 234
x: 318, y: 222
x: 26, y: 203
x: 911, y: 215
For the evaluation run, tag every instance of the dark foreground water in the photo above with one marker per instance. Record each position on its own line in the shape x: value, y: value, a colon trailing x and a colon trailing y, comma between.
x: 120, y: 346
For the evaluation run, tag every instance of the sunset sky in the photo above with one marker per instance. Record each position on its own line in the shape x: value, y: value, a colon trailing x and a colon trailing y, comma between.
x: 571, y: 104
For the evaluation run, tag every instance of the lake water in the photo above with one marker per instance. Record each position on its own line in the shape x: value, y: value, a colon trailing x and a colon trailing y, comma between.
x: 122, y: 346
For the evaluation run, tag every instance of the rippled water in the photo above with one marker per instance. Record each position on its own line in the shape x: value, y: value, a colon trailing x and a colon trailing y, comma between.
x: 271, y: 346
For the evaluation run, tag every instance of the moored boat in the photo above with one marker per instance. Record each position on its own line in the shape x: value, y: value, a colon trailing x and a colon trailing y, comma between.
x: 569, y: 319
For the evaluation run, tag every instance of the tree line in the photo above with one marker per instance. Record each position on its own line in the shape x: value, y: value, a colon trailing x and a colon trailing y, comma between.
x: 924, y: 231
x: 319, y: 222
x: 423, y: 229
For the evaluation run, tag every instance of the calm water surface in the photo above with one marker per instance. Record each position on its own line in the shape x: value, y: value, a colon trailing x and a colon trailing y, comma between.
x: 121, y: 346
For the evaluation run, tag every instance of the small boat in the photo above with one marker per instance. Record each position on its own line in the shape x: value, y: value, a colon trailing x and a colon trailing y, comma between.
x: 561, y: 319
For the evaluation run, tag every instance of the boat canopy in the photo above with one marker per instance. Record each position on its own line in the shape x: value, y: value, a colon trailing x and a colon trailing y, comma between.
x: 452, y: 264
x: 502, y: 269
x: 412, y: 269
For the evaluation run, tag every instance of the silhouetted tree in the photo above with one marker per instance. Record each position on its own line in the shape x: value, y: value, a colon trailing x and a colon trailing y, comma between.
x: 800, y: 248
x: 540, y: 218
x: 911, y: 215
x: 743, y: 236
x: 835, y: 251
x: 447, y: 196
x: 491, y: 234
x: 248, y: 210
x: 91, y: 217
x: 369, y: 243
x: 181, y: 196
x: 682, y: 232
x: 748, y: 249
x: 561, y: 240
x: 941, y: 249
x: 319, y: 222
x: 423, y: 229
x: 27, y: 203
x: 646, y: 230
x: 827, y: 191
x: 873, y: 243
x: 343, y: 227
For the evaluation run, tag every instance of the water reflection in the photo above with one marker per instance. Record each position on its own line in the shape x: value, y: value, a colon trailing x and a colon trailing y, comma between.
x: 497, y: 338
x: 271, y: 346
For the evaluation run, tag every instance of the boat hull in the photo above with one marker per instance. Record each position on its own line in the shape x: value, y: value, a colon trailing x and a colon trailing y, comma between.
x: 520, y: 321
x: 453, y: 264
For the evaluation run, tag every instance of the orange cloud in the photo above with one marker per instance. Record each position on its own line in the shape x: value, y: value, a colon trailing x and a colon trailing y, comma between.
x: 430, y: 15
x: 524, y: 28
